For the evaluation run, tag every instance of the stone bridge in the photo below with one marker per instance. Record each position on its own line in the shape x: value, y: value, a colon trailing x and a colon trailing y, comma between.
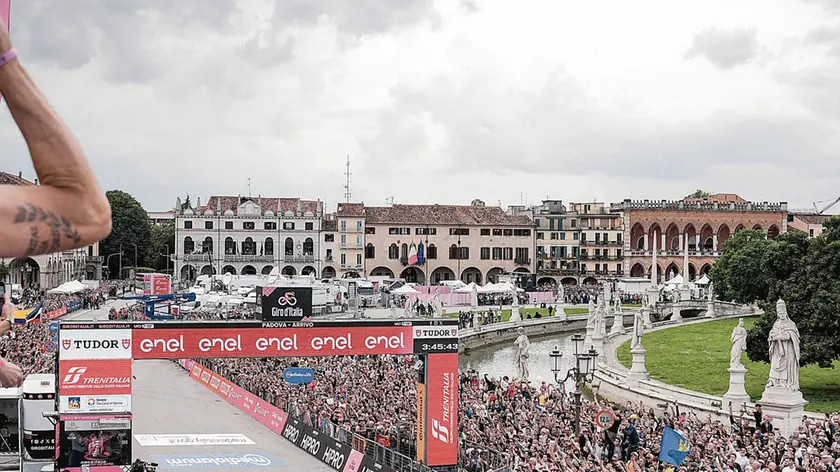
x: 697, y: 308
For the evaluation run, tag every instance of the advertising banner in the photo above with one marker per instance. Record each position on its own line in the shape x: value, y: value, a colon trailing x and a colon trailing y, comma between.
x: 94, y: 377
x: 293, y: 432
x: 421, y: 422
x: 361, y: 463
x: 442, y: 410
x: 95, y: 344
x: 298, y: 375
x: 285, y: 304
x: 324, y: 448
x: 161, y: 285
x: 107, y: 441
x: 94, y: 404
x: 219, y: 460
x: 177, y: 343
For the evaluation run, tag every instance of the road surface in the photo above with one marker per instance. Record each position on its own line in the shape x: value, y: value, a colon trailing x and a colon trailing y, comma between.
x: 166, y: 400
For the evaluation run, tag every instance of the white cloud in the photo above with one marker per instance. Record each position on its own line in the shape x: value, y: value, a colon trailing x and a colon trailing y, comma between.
x: 442, y: 101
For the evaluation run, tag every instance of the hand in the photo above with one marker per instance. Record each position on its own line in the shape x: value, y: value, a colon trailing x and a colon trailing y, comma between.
x: 5, y: 39
x: 8, y: 312
x: 10, y: 375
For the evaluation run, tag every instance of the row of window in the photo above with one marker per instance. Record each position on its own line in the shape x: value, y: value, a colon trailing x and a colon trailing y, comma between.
x: 249, y: 247
x: 402, y: 231
x: 599, y: 237
x: 455, y: 253
x: 267, y: 226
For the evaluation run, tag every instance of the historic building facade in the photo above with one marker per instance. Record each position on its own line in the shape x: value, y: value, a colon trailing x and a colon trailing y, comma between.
x: 575, y: 243
x: 429, y: 244
x: 50, y: 270
x: 253, y: 235
x: 704, y: 224
x: 350, y: 224
x: 809, y: 223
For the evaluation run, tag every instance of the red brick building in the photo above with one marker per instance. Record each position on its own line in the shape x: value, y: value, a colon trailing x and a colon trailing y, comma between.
x: 706, y: 223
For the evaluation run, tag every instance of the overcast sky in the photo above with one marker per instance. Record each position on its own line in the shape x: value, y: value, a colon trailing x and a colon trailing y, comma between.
x: 442, y: 101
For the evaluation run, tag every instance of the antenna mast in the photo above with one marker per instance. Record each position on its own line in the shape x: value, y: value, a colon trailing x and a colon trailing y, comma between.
x: 249, y: 187
x: 347, y: 175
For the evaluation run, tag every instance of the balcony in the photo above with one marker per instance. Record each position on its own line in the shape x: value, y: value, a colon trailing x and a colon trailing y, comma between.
x: 342, y: 245
x: 522, y: 261
x: 355, y: 229
x: 96, y: 260
x: 351, y: 266
x: 557, y: 272
x: 596, y: 242
x: 328, y: 259
x: 589, y: 257
x: 404, y: 261
x: 248, y: 258
x: 196, y: 257
x: 299, y: 259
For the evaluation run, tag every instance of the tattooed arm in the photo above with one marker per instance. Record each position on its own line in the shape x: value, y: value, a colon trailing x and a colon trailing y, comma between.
x: 68, y: 210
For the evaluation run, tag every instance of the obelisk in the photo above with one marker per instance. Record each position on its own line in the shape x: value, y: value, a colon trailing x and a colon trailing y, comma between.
x: 653, y: 290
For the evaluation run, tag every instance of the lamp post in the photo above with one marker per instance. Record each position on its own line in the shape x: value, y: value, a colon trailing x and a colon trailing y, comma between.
x: 583, y: 371
x: 108, y: 259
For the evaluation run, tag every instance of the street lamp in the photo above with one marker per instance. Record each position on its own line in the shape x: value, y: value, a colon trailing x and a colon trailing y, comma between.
x: 583, y: 370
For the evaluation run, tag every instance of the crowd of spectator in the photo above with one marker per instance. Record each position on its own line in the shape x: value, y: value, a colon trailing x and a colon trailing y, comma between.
x: 504, y: 423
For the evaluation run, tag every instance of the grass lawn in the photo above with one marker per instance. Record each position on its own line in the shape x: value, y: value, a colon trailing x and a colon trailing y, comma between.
x: 696, y: 357
x: 631, y: 305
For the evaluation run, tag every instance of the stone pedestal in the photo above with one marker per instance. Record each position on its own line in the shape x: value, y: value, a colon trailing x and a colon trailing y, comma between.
x: 514, y: 314
x: 677, y: 314
x: 618, y: 323
x: 710, y: 309
x: 737, y: 394
x: 560, y: 312
x: 638, y: 371
x: 646, y: 318
x: 653, y: 296
x: 685, y: 293
x: 785, y: 407
x: 597, y: 343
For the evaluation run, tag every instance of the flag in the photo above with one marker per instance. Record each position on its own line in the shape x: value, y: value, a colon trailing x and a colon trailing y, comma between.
x: 27, y: 315
x: 674, y: 447
x: 412, y: 254
x: 421, y: 254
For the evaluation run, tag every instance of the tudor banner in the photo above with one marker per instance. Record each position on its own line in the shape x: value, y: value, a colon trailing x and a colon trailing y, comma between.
x: 442, y: 410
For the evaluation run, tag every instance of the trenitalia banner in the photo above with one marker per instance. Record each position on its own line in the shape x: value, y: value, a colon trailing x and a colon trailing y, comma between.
x: 116, y: 342
x: 442, y: 410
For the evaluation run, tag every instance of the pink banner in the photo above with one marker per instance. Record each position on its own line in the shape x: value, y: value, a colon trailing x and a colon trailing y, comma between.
x: 265, y: 413
x: 535, y: 298
x: 6, y: 12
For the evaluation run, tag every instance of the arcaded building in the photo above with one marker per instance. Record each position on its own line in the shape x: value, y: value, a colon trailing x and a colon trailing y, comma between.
x: 705, y: 223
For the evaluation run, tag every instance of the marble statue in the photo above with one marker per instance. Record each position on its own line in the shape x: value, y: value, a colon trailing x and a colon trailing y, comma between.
x: 599, y: 325
x: 561, y: 294
x: 515, y: 298
x: 711, y: 290
x: 593, y: 313
x: 523, y: 348
x: 638, y: 329
x: 739, y: 345
x: 617, y: 304
x: 784, y: 351
x: 438, y: 305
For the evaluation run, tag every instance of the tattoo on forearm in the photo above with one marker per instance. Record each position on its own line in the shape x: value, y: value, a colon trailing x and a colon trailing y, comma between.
x: 57, y: 227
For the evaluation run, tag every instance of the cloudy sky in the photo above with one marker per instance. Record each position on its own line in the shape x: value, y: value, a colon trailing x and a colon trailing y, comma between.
x: 442, y: 101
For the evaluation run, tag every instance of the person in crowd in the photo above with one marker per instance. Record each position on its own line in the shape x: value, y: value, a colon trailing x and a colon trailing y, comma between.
x: 68, y: 209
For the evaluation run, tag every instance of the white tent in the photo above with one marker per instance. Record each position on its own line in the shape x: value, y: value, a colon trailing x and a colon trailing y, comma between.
x: 467, y: 288
x: 677, y: 280
x: 489, y: 288
x: 74, y: 286
x: 405, y: 290
x: 702, y: 280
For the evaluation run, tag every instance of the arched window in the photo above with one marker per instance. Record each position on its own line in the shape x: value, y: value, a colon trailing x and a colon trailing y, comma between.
x: 404, y: 251
x: 308, y: 247
x: 289, y: 247
x: 207, y: 245
x: 370, y: 251
x: 453, y: 251
x: 268, y: 247
x: 431, y: 252
x: 249, y: 247
x: 230, y: 246
x: 189, y: 245
x: 393, y: 251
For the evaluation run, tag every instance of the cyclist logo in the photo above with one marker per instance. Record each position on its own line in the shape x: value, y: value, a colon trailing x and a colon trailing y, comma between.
x: 288, y: 299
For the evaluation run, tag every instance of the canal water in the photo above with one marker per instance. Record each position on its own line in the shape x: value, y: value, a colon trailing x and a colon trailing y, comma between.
x: 499, y: 360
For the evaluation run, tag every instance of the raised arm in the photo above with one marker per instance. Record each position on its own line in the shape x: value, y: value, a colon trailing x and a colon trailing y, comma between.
x: 68, y: 210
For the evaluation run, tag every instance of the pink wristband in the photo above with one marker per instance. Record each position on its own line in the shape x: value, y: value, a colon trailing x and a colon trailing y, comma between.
x: 8, y: 56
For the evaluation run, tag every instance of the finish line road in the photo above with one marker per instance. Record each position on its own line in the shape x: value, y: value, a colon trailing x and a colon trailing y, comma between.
x: 179, y: 422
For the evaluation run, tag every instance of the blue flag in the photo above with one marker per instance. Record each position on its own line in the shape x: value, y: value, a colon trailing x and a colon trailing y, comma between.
x: 674, y: 447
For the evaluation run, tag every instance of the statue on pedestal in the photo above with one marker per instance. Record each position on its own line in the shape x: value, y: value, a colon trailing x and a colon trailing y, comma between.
x: 617, y: 304
x: 523, y: 348
x: 561, y: 294
x: 638, y: 329
x: 739, y: 345
x: 711, y: 291
x: 438, y: 305
x: 784, y: 351
x: 593, y: 313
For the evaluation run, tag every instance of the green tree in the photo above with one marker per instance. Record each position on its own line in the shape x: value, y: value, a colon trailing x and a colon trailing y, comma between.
x: 130, y: 227
x: 161, y: 245
x: 699, y: 194
x: 804, y: 272
x: 738, y: 274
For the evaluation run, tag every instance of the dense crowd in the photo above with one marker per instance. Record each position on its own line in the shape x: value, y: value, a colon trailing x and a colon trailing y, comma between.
x: 520, y: 426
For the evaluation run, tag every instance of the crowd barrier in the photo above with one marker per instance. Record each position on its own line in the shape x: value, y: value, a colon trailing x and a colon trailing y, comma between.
x: 336, y: 447
x: 53, y: 314
x: 465, y: 299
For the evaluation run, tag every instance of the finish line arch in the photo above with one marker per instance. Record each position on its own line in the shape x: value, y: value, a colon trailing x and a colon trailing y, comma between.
x: 94, y: 363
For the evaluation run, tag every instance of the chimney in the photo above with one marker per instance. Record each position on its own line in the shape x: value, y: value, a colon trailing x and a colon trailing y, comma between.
x: 20, y: 174
x: 198, y: 205
x: 299, y: 208
x: 218, y: 205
